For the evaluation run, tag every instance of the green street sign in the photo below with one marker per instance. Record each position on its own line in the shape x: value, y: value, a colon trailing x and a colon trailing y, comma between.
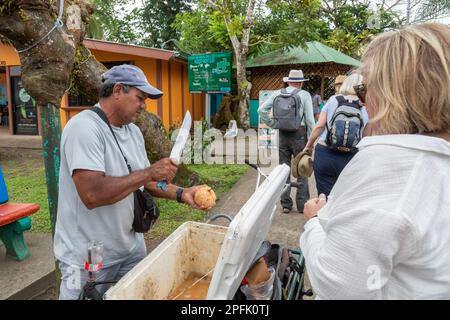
x: 210, y: 72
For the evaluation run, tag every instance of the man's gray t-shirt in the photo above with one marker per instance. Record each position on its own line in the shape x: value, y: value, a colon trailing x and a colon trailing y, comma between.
x: 87, y: 143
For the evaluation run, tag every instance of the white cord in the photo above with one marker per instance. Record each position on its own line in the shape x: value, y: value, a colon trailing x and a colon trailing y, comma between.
x: 58, y: 24
x: 193, y: 284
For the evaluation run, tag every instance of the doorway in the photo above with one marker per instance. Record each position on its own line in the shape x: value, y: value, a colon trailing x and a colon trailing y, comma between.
x: 24, y: 109
x: 4, y: 125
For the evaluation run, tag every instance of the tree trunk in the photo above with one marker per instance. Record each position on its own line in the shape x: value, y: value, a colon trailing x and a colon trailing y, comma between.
x: 244, y: 87
x: 222, y: 118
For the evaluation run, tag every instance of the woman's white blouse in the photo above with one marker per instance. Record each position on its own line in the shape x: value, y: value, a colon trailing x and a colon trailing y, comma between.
x: 385, y: 231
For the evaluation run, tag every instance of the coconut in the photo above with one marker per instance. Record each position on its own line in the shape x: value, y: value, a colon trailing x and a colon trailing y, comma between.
x: 205, y: 197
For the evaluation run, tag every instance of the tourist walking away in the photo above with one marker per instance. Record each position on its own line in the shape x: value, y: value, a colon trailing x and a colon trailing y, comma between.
x: 103, y: 164
x: 338, y: 83
x: 316, y: 101
x: 290, y: 110
x: 384, y: 232
x: 339, y: 129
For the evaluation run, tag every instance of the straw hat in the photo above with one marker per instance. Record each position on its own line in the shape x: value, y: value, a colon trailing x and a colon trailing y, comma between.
x: 302, y: 165
x: 340, y: 79
x: 295, y: 76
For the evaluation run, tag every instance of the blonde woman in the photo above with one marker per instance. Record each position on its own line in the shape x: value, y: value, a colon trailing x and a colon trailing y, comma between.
x: 384, y: 232
x: 329, y: 161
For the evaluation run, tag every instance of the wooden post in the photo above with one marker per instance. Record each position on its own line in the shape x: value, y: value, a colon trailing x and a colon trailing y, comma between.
x: 322, y: 85
x: 10, y: 107
x: 51, y: 136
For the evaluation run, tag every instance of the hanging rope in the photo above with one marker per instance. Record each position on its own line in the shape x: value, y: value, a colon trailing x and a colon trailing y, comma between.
x: 58, y: 24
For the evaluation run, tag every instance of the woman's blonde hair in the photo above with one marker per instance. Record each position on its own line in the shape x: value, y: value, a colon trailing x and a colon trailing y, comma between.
x: 347, y: 86
x: 407, y: 73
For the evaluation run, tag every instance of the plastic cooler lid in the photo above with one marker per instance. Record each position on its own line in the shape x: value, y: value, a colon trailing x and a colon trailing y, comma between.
x: 245, y: 234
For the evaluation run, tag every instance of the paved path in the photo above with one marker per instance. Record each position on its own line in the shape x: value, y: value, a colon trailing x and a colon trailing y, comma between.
x: 286, y: 228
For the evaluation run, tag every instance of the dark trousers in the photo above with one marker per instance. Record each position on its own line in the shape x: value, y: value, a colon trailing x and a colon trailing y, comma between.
x: 291, y: 144
x: 328, y: 165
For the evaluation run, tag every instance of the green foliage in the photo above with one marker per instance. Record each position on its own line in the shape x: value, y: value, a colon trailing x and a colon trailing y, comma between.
x: 5, y: 5
x: 294, y: 22
x: 349, y: 25
x: 156, y: 22
x: 433, y: 9
x: 284, y: 23
x: 107, y: 24
x: 26, y: 183
x: 201, y: 31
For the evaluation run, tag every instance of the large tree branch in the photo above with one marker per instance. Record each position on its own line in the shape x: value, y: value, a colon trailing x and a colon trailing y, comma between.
x: 247, y: 27
x: 213, y: 4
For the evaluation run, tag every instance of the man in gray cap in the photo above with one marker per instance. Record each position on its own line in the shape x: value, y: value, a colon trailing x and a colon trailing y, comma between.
x: 96, y: 188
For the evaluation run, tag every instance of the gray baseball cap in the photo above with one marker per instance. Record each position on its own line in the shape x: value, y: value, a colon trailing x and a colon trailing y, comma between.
x: 132, y: 76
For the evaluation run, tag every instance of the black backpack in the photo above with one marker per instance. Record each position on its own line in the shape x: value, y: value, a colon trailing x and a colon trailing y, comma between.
x: 286, y: 111
x: 345, y: 127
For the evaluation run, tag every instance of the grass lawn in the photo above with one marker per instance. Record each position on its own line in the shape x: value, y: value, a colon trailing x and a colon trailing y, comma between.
x: 25, y: 180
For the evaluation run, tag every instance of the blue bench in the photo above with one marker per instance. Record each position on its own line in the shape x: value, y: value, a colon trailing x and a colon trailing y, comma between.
x: 14, y: 220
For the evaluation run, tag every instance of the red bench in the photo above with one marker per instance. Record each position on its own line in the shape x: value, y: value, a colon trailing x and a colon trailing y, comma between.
x: 14, y: 220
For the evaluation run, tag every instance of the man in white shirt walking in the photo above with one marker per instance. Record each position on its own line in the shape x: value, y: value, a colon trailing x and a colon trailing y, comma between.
x: 292, y: 142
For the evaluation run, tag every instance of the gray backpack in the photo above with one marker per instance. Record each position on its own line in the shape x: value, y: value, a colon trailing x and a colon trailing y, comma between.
x: 286, y: 111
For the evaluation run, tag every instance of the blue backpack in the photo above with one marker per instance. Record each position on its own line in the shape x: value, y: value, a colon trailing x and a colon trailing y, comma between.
x: 346, y: 125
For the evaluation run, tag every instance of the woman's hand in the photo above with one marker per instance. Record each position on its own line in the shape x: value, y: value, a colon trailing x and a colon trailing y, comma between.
x: 313, y: 206
x: 308, y: 150
x: 188, y: 197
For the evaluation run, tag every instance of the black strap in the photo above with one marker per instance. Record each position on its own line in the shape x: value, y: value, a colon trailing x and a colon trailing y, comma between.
x: 354, y: 103
x: 302, y: 109
x: 103, y: 116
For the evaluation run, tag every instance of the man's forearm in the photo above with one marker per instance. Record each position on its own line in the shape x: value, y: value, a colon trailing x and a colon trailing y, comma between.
x: 317, y: 131
x: 170, y: 193
x: 108, y: 190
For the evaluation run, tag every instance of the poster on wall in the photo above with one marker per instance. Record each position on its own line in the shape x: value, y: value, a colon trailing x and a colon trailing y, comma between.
x: 267, y: 137
x: 24, y: 108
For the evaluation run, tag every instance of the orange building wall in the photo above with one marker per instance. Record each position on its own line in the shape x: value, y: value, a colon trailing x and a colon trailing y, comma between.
x: 149, y: 68
x: 8, y: 56
x: 3, y: 79
x: 174, y: 83
x: 177, y: 94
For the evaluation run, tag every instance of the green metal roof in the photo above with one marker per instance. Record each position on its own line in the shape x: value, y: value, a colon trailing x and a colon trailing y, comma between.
x: 316, y: 53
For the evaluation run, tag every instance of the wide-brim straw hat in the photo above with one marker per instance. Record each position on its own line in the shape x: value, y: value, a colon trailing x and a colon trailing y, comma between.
x: 340, y: 79
x: 295, y: 76
x: 302, y: 165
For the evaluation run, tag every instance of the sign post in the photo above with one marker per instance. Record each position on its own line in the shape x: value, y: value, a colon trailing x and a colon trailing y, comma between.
x: 210, y: 73
x: 267, y: 137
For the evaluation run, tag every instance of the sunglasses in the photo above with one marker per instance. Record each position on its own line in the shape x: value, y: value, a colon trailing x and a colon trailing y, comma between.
x: 361, y: 91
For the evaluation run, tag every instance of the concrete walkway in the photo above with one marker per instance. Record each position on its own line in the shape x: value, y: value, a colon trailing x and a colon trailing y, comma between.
x: 27, y: 278
x: 286, y: 228
x: 18, y: 141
